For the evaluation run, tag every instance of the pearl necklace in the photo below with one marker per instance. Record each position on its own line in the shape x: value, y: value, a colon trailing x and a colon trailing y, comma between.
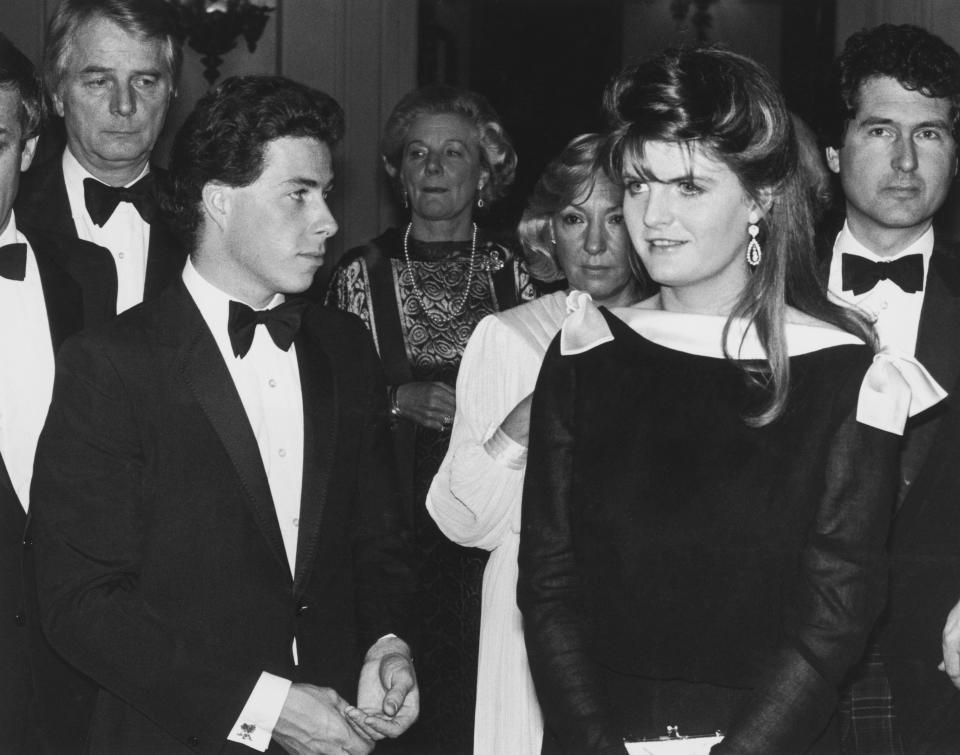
x: 456, y: 309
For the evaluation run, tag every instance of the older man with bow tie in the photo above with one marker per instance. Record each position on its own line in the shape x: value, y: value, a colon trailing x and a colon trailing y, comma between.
x: 110, y: 67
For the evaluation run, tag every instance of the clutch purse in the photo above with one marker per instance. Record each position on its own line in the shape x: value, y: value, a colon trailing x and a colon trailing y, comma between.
x: 674, y: 743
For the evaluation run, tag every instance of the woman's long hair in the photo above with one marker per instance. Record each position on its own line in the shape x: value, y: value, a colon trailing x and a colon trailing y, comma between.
x: 730, y: 107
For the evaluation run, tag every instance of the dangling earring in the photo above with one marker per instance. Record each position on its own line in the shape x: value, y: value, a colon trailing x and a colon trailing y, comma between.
x: 480, y: 203
x: 406, y: 202
x: 754, y: 253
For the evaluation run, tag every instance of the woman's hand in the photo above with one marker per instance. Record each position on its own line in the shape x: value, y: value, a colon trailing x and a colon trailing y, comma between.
x: 430, y: 404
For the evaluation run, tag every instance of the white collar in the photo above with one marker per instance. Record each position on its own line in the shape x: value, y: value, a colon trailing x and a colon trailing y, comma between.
x: 74, y: 172
x: 894, y: 388
x: 9, y: 234
x: 697, y: 334
x: 848, y: 243
x: 214, y: 303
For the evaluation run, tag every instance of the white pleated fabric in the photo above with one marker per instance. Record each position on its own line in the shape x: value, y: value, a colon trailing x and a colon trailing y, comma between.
x: 475, y: 500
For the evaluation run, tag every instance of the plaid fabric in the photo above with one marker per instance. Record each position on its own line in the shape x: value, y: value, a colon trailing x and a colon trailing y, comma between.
x: 868, y: 721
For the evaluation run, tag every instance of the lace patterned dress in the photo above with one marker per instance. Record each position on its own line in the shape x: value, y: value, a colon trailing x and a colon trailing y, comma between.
x: 375, y: 283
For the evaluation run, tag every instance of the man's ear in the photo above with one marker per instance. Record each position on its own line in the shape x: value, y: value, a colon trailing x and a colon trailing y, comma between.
x: 57, y: 100
x: 833, y: 159
x: 29, y: 150
x: 216, y: 198
x: 391, y: 170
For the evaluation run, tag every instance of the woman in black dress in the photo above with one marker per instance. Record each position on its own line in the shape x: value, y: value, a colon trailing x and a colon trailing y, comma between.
x: 710, y: 474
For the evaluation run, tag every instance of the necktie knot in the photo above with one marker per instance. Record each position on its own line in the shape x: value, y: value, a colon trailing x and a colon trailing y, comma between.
x: 861, y: 274
x: 101, y: 200
x: 13, y: 261
x: 282, y: 323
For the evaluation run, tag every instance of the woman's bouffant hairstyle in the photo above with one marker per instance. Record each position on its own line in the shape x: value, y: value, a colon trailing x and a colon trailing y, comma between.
x: 226, y: 135
x: 918, y: 60
x: 568, y: 179
x: 149, y: 19
x: 728, y: 106
x: 497, y: 155
x: 18, y: 74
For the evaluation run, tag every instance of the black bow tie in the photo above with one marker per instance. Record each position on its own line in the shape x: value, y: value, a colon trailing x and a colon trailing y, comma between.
x: 861, y: 274
x: 13, y: 261
x: 102, y: 200
x: 283, y: 322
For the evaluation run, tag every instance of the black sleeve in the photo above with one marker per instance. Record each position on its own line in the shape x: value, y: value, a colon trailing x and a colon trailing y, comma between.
x: 383, y: 550
x: 549, y: 590
x: 841, y: 591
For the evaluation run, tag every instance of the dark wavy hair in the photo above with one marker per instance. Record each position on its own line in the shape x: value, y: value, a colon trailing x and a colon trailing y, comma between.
x: 568, y: 178
x: 148, y: 19
x: 18, y: 73
x: 731, y: 108
x: 919, y: 60
x: 225, y: 136
x: 497, y: 155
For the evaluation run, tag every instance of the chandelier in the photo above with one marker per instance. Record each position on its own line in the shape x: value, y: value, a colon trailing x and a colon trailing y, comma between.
x: 701, y: 19
x: 213, y: 27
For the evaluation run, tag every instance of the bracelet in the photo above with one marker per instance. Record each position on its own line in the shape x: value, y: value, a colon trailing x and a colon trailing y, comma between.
x: 394, y: 404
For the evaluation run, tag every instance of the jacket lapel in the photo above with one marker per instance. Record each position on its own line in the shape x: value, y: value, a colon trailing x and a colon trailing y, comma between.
x: 62, y: 295
x: 205, y: 372
x: 940, y: 318
x: 43, y: 200
x: 319, y: 434
x: 165, y: 259
x: 939, y: 325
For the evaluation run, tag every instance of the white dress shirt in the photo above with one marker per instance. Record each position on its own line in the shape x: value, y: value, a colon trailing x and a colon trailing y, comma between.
x: 268, y: 381
x: 894, y: 312
x: 125, y: 235
x: 26, y: 367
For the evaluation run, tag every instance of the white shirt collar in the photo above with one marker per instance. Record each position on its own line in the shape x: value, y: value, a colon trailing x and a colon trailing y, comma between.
x: 74, y: 172
x: 848, y: 243
x: 214, y: 304
x: 9, y: 235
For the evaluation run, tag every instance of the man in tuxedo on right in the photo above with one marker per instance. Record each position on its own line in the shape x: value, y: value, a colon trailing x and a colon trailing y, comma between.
x: 110, y: 69
x: 893, y: 143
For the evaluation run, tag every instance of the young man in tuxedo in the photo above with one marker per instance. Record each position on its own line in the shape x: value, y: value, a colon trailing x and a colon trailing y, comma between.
x: 111, y: 68
x: 893, y: 144
x: 216, y: 529
x: 40, y: 305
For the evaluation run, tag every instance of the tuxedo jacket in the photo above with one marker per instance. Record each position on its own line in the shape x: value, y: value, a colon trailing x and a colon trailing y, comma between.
x: 925, y: 538
x: 925, y: 534
x: 161, y: 570
x: 70, y: 304
x: 42, y: 202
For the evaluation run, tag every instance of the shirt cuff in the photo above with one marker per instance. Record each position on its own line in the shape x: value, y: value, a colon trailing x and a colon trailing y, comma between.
x: 505, y: 450
x: 254, y: 727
